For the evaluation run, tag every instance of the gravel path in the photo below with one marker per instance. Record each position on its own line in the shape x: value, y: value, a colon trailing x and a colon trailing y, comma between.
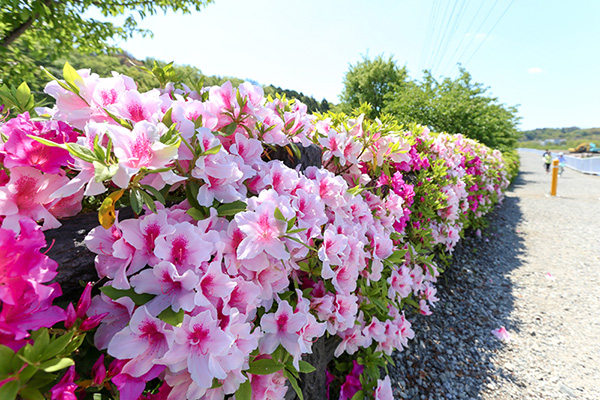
x: 501, y: 279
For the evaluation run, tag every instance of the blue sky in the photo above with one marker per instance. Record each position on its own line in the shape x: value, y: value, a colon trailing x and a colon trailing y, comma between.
x: 541, y: 55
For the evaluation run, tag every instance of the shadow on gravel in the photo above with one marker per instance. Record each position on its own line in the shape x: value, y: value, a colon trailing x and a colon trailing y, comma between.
x: 451, y: 355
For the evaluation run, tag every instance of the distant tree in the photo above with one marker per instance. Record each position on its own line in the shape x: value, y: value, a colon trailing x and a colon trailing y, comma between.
x: 49, y: 29
x: 369, y: 81
x: 311, y: 103
x: 455, y: 106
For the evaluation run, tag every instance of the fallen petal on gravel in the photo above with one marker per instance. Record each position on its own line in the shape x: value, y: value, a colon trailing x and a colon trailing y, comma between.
x: 501, y: 333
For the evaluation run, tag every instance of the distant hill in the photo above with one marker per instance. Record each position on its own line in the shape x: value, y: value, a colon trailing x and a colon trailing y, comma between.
x: 104, y: 64
x: 571, y: 137
x: 572, y: 132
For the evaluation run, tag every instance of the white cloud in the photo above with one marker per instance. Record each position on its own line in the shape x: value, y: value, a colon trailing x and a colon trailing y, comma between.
x: 535, y: 70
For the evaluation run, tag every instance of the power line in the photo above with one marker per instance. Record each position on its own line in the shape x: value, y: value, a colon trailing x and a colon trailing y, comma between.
x: 462, y: 39
x: 490, y: 32
x: 478, y: 29
x: 443, y: 39
x: 435, y: 47
x: 430, y: 27
x: 452, y: 34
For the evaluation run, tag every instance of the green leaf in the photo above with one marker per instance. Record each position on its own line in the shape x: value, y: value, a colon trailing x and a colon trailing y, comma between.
x: 124, y: 123
x: 213, y: 150
x: 41, y: 340
x: 148, y: 201
x: 57, y: 345
x: 6, y: 356
x: 72, y: 77
x: 306, y: 368
x: 265, y: 366
x: 9, y: 390
x: 75, y: 343
x: 31, y: 394
x: 191, y: 193
x: 244, y: 392
x: 294, y: 383
x: 41, y: 379
x: 48, y: 142
x: 171, y: 317
x: 229, y: 209
x: 296, y: 150
x: 103, y: 172
x: 27, y: 373
x: 56, y: 364
x: 360, y: 395
x: 230, y: 129
x: 291, y: 223
x: 99, y: 150
x: 60, y: 83
x: 138, y: 299
x: 81, y: 152
x: 136, y: 200
x: 216, y: 384
x: 196, y: 214
x: 397, y: 257
x: 158, y: 195
x: 279, y: 215
x: 23, y: 95
x: 166, y: 119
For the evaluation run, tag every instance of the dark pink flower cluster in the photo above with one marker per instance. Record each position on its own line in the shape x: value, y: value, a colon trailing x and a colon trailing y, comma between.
x: 25, y: 298
x: 36, y: 173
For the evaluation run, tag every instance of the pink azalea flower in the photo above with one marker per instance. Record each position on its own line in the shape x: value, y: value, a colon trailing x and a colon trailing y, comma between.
x: 350, y: 387
x: 196, y: 346
x: 66, y: 387
x: 131, y: 387
x: 283, y: 328
x: 502, y: 334
x: 352, y: 339
x: 400, y: 283
x: 142, y: 233
x: 21, y: 151
x: 137, y: 107
x: 143, y: 341
x: 110, y: 263
x: 171, y: 288
x: 183, y: 386
x: 99, y: 372
x: 70, y: 107
x: 27, y: 194
x: 185, y: 247
x: 344, y: 316
x: 140, y: 148
x: 374, y: 331
x: 384, y: 389
x: 214, y: 285
x: 244, y: 297
x: 424, y: 307
x: 263, y: 232
x: 266, y: 387
x: 333, y: 246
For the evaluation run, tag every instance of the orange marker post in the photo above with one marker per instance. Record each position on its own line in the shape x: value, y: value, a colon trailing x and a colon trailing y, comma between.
x: 554, y: 177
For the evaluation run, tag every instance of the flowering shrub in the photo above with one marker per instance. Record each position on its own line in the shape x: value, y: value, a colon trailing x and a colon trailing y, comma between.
x: 235, y: 264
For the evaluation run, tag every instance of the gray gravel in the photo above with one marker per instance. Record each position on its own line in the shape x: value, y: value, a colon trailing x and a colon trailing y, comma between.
x: 500, y: 279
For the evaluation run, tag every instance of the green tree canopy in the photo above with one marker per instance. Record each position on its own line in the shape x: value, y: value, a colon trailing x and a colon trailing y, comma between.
x: 453, y: 106
x: 369, y: 81
x: 48, y: 29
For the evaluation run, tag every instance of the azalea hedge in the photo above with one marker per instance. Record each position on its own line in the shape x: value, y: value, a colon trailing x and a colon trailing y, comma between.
x: 234, y: 264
